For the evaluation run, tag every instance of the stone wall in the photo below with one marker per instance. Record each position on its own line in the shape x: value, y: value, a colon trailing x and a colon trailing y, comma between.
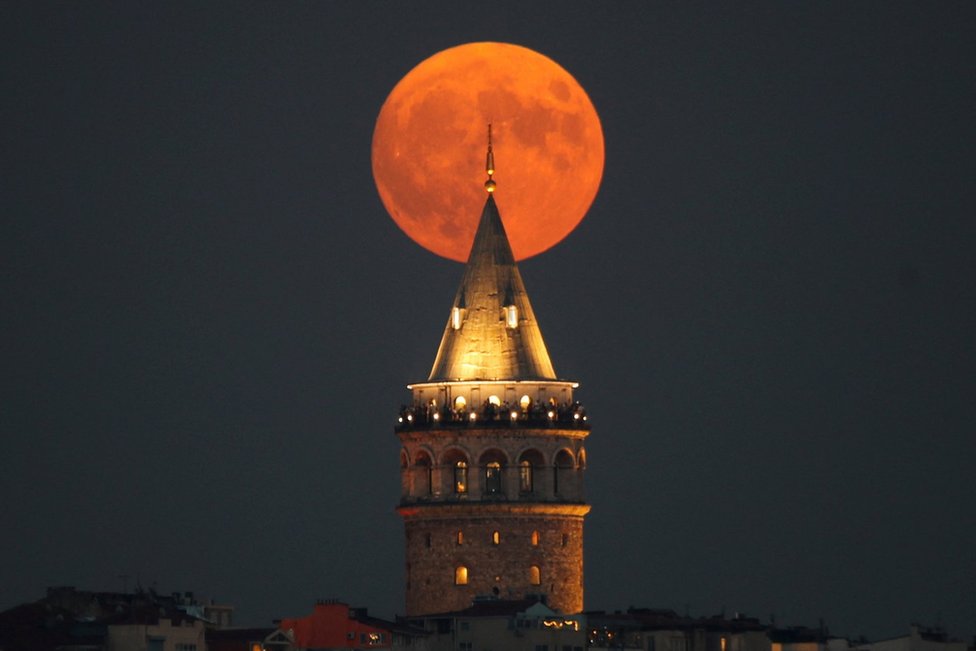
x: 442, y: 538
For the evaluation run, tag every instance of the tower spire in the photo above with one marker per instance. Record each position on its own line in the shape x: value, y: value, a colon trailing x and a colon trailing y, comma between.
x: 490, y: 165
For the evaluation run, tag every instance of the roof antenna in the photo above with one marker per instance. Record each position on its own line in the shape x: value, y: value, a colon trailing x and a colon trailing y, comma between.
x: 490, y: 165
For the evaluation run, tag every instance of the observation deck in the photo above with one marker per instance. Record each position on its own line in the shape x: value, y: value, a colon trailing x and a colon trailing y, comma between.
x: 421, y: 416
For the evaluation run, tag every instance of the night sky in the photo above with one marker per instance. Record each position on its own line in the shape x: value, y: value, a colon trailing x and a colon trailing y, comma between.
x: 208, y: 319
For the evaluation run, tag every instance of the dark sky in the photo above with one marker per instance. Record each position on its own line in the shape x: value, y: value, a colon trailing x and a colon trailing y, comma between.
x: 208, y: 318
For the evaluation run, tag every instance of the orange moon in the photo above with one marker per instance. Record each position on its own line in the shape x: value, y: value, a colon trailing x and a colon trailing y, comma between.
x: 431, y: 136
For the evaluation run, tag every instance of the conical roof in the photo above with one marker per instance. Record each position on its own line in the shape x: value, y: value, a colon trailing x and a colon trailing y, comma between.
x: 491, y: 332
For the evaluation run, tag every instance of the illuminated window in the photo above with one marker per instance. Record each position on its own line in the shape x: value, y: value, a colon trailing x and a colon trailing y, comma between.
x: 722, y: 643
x: 535, y: 538
x: 493, y: 478
x: 460, y: 537
x: 494, y: 400
x: 456, y: 318
x: 511, y: 316
x: 496, y: 538
x: 535, y: 575
x: 525, y: 402
x: 461, y: 477
x: 461, y: 575
x: 525, y: 476
x: 460, y: 403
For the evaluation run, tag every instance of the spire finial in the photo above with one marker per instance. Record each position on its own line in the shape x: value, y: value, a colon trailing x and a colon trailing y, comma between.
x: 490, y: 165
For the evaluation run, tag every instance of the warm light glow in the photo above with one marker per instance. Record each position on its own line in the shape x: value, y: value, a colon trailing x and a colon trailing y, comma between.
x: 495, y: 538
x: 535, y: 575
x: 561, y: 623
x: 525, y: 402
x: 461, y: 575
x: 514, y: 415
x: 456, y: 318
x: 535, y: 538
x: 511, y: 316
x: 473, y: 416
x: 437, y: 416
x: 551, y: 414
x: 429, y: 148
x: 494, y: 400
x: 460, y: 403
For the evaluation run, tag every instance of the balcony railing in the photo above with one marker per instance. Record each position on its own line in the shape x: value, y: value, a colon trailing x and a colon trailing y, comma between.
x: 419, y: 416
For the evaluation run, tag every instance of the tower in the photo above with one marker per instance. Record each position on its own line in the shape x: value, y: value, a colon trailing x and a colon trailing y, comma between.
x: 492, y: 455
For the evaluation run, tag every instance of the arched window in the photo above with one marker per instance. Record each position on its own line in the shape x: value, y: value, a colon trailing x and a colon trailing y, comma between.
x: 424, y: 474
x: 460, y: 537
x: 535, y: 575
x: 494, y: 400
x: 461, y: 477
x: 525, y: 476
x: 496, y: 538
x: 525, y: 402
x: 460, y: 403
x: 460, y: 575
x: 493, y: 461
x: 529, y: 461
x: 564, y: 463
x: 535, y: 538
x: 493, y: 478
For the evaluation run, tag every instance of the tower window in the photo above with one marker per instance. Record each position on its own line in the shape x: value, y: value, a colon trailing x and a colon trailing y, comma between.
x: 535, y: 575
x: 456, y: 318
x: 493, y: 478
x: 535, y: 538
x: 460, y: 537
x: 496, y: 538
x: 461, y: 477
x: 525, y: 476
x: 460, y: 575
x: 511, y: 316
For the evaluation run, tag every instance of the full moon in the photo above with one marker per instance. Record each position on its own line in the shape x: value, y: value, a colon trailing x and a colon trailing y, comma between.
x: 431, y: 138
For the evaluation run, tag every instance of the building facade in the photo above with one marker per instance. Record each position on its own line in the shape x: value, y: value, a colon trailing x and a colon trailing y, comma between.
x: 492, y: 456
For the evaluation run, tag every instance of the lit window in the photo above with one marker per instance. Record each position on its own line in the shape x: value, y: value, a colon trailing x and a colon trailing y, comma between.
x: 460, y: 403
x: 535, y: 538
x: 525, y: 402
x: 456, y: 318
x: 511, y: 316
x: 535, y: 575
x: 722, y: 643
x: 461, y: 477
x: 525, y: 476
x: 494, y: 400
x: 460, y: 537
x: 496, y: 538
x: 461, y: 575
